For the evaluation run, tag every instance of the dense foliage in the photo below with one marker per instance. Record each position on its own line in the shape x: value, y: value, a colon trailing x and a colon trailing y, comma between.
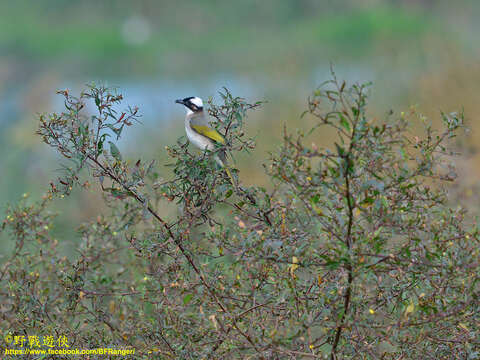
x: 352, y: 253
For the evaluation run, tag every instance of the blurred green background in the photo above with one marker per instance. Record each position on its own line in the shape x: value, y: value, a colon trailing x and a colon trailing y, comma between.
x: 422, y: 52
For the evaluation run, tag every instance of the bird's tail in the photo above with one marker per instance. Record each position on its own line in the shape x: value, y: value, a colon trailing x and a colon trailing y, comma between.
x: 222, y: 161
x: 229, y: 173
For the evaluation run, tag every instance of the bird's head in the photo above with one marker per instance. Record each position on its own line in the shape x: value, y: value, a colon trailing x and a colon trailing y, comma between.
x: 193, y: 104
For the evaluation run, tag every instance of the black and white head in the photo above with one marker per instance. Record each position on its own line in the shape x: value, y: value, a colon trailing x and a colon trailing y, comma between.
x: 192, y: 103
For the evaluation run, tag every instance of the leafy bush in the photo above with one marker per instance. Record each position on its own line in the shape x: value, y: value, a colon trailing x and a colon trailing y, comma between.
x: 352, y: 253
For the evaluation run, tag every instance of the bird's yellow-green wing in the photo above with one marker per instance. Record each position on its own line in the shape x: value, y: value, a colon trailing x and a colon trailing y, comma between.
x: 208, y: 132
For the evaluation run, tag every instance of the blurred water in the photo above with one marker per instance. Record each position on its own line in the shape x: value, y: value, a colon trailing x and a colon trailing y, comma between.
x: 10, y: 106
x: 155, y: 98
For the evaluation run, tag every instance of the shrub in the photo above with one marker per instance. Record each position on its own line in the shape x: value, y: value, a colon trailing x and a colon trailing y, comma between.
x: 354, y: 252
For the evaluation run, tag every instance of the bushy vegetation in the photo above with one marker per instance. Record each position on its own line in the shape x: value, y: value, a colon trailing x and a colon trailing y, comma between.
x: 353, y: 252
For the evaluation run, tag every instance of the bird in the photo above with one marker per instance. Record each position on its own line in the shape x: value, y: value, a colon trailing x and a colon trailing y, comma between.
x: 201, y: 134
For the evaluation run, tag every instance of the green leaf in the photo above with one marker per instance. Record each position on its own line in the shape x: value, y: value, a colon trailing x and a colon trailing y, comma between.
x: 367, y: 201
x: 187, y: 298
x: 344, y: 123
x: 100, y: 143
x: 115, y: 152
x: 121, y: 194
x: 377, y: 232
x: 340, y: 150
x: 117, y: 131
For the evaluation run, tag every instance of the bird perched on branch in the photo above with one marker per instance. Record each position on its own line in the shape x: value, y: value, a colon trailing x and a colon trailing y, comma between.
x: 201, y: 134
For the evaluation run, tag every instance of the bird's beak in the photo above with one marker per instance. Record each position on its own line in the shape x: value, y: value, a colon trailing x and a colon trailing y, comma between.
x: 179, y: 101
